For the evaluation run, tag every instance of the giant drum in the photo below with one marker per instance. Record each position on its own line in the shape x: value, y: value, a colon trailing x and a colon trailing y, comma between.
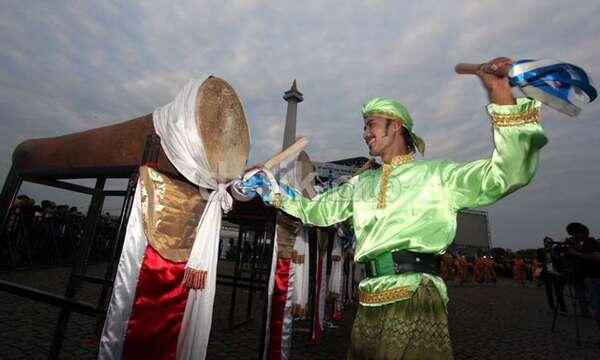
x: 116, y: 150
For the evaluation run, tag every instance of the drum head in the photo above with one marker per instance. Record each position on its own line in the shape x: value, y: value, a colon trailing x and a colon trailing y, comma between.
x: 222, y: 128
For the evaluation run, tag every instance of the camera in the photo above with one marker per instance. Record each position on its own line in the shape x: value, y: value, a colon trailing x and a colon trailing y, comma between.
x: 559, y: 255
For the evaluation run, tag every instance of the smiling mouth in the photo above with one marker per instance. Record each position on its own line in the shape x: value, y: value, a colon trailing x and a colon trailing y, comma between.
x: 370, y: 142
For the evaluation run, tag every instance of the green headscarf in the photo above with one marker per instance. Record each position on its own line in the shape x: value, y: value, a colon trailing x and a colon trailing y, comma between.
x: 391, y: 108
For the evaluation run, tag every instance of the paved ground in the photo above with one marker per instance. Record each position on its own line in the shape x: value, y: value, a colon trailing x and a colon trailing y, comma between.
x: 486, y: 322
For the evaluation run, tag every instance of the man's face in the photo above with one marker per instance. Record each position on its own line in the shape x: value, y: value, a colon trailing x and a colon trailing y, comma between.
x: 376, y: 134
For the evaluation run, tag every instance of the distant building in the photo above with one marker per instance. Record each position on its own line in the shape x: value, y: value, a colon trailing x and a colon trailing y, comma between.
x: 330, y: 172
x: 472, y: 233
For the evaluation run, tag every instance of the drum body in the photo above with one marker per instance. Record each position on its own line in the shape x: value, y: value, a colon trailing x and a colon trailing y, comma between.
x: 220, y: 122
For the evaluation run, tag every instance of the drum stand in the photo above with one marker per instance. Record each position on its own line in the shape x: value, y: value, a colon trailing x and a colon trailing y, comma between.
x: 68, y: 303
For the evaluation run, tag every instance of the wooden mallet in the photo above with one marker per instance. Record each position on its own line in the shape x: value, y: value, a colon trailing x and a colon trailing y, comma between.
x: 466, y: 69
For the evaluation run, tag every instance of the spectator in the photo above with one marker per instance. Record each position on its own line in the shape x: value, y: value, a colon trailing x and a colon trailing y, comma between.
x: 587, y: 250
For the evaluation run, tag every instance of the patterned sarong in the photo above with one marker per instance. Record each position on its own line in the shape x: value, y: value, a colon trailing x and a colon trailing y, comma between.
x: 416, y: 328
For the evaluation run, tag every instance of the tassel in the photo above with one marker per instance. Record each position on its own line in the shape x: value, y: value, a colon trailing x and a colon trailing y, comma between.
x: 194, y: 279
x: 298, y: 310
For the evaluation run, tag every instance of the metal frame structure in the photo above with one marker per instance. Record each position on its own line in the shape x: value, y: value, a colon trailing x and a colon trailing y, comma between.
x: 54, y: 178
x: 251, y: 283
x: 251, y: 217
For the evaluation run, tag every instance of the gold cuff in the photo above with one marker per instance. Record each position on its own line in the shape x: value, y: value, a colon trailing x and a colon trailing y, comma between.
x: 276, y: 201
x: 399, y: 293
x: 526, y: 117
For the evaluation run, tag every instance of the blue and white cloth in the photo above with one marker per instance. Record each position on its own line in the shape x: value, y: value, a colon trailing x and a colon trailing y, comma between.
x: 557, y: 84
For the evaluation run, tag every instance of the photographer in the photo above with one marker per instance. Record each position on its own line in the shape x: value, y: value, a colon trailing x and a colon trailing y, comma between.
x: 587, y: 250
x: 551, y: 260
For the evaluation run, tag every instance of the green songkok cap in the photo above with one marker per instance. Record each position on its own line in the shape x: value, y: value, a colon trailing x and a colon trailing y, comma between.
x: 393, y: 109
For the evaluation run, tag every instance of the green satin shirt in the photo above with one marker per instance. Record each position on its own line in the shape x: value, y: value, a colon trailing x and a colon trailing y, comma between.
x: 423, y: 198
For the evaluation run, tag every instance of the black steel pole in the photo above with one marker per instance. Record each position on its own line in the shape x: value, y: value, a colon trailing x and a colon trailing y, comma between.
x: 116, y: 247
x: 79, y: 266
x: 11, y: 187
x: 236, y: 275
x: 271, y: 235
x: 151, y: 151
x: 252, y: 274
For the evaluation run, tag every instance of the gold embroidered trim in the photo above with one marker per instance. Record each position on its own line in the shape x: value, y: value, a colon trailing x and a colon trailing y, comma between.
x: 297, y: 258
x: 298, y: 310
x: 385, y: 296
x: 385, y: 174
x: 276, y: 200
x: 526, y: 117
x: 401, y: 159
x: 387, y: 169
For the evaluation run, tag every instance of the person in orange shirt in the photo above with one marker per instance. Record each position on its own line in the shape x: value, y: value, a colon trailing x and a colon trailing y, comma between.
x: 489, y: 270
x: 446, y: 263
x: 460, y: 263
x: 536, y: 271
x: 478, y: 270
x: 519, y: 270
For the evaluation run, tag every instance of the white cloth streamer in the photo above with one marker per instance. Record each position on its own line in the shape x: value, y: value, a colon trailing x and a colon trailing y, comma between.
x: 175, y: 123
x: 301, y: 271
x: 197, y: 317
x: 124, y: 288
x: 335, y: 277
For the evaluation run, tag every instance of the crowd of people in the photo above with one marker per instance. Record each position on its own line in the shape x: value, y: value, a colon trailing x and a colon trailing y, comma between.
x: 573, y: 263
x: 47, y: 233
x: 461, y: 269
x: 485, y: 269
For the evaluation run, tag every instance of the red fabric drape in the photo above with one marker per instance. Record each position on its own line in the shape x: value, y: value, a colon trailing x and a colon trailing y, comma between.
x: 157, y: 311
x: 280, y: 290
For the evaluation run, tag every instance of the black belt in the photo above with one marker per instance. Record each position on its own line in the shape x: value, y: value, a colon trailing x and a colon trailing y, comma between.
x: 399, y: 262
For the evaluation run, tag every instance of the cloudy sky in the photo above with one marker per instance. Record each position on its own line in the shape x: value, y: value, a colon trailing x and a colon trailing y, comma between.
x: 72, y: 66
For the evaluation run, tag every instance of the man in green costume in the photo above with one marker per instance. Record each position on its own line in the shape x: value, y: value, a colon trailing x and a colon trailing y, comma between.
x: 404, y: 216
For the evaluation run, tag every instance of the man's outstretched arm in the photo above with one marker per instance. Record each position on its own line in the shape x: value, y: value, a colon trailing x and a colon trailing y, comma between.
x: 518, y: 137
